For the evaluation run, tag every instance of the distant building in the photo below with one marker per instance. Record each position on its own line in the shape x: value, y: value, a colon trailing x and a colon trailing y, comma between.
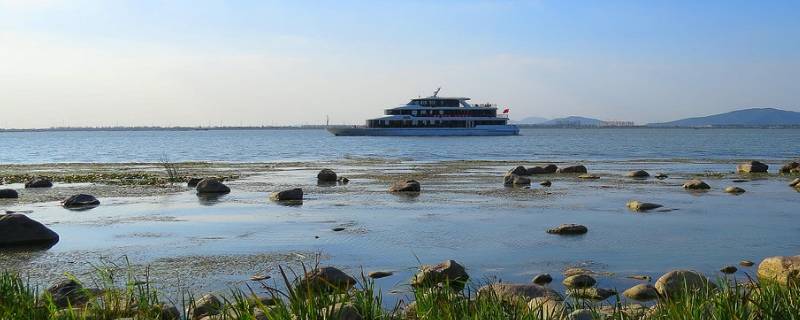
x: 617, y: 123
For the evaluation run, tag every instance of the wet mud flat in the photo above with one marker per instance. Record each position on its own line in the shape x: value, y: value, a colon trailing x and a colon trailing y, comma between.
x: 464, y: 212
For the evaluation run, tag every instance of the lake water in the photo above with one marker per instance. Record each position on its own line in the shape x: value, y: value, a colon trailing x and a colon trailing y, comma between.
x: 315, y: 145
x: 464, y: 212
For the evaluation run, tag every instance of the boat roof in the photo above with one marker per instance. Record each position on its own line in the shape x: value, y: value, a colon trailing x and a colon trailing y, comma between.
x: 442, y: 98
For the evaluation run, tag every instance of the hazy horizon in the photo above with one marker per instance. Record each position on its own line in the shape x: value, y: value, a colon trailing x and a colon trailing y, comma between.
x: 251, y: 63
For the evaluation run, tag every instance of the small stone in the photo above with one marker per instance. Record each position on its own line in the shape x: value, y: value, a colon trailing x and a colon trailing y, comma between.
x: 569, y: 229
x: 734, y: 190
x: 728, y: 269
x: 344, y: 180
x: 588, y: 176
x: 8, y: 194
x: 641, y: 292
x: 592, y: 293
x: 795, y: 183
x: 661, y: 176
x: 579, y: 281
x: 449, y: 271
x: 746, y: 263
x: 259, y: 277
x: 640, y: 277
x: 512, y: 179
x: 696, y: 184
x: 519, y: 170
x: 546, y: 183
x: 380, y: 274
x: 638, y: 174
x: 642, y: 206
x: 337, y: 229
x: 542, y: 279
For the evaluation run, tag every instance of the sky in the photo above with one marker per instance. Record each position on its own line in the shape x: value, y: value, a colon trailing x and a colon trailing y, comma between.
x: 211, y: 63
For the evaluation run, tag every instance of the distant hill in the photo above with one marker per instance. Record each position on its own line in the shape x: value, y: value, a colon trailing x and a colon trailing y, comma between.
x: 746, y: 117
x: 530, y: 120
x: 572, y: 121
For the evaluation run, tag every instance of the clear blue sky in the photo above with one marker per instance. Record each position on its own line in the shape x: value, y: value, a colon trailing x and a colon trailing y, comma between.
x: 290, y: 62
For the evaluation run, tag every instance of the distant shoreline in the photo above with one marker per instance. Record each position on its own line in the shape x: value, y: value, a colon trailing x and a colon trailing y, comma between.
x: 321, y: 127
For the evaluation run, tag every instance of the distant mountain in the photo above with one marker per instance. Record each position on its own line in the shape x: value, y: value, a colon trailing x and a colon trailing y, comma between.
x: 572, y: 121
x: 746, y: 117
x: 530, y: 120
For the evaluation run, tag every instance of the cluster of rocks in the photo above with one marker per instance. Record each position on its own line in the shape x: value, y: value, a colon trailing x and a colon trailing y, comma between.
x: 521, y: 176
x: 35, y: 183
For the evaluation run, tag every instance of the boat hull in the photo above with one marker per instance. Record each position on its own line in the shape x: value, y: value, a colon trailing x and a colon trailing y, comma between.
x: 504, y: 130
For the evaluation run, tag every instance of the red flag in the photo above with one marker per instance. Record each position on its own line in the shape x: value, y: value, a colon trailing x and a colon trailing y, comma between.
x: 505, y: 110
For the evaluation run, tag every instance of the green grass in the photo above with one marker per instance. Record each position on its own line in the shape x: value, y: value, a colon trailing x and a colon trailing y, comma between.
x: 126, y: 296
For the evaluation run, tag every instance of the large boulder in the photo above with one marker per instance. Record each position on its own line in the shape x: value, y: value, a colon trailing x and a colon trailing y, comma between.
x: 641, y: 292
x: 19, y: 230
x: 518, y: 292
x: 79, y: 201
x: 696, y: 184
x: 405, y: 186
x: 207, y: 305
x: 579, y: 281
x: 326, y: 175
x: 449, y: 271
x: 790, y: 168
x: 572, y: 169
x: 39, y: 183
x: 569, y: 228
x: 592, y: 293
x: 326, y: 279
x: 68, y: 292
x: 780, y: 269
x: 8, y: 194
x: 295, y: 194
x: 676, y: 282
x: 550, y: 168
x: 519, y: 170
x: 634, y: 205
x: 752, y: 167
x: 638, y: 174
x: 542, y: 279
x: 512, y: 179
x: 212, y: 185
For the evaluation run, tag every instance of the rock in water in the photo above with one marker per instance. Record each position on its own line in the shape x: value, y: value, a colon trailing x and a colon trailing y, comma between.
x: 19, y: 230
x: 327, y: 279
x: 546, y: 183
x: 795, y: 183
x: 295, y: 194
x: 746, y: 263
x: 192, y: 182
x: 542, y: 279
x: 728, y: 269
x: 572, y: 169
x: 675, y: 282
x: 380, y: 274
x: 79, y: 201
x: 449, y: 272
x: 510, y: 292
x: 592, y: 293
x: 535, y: 170
x: 791, y: 167
x: 326, y: 175
x: 570, y: 228
x: 638, y: 174
x: 661, y: 176
x: 579, y: 281
x: 641, y: 292
x: 696, y: 184
x: 550, y: 168
x: 780, y: 269
x: 212, y: 185
x: 8, y: 194
x: 752, y: 167
x: 519, y: 170
x: 734, y: 190
x: 39, y: 183
x: 405, y: 186
x: 642, y: 206
x: 511, y: 179
x: 547, y: 308
x: 588, y: 176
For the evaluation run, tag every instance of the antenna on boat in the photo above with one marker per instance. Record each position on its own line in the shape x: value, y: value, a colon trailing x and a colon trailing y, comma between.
x: 436, y: 93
